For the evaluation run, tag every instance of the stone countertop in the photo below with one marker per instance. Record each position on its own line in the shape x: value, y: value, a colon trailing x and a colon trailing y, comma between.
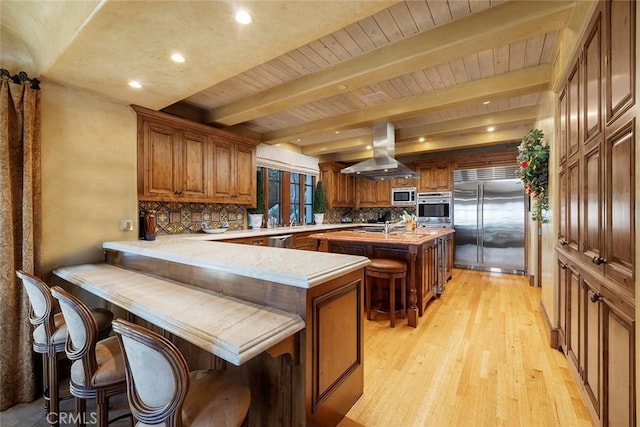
x: 415, y: 237
x: 239, y: 234
x: 230, y: 328
x: 303, y: 269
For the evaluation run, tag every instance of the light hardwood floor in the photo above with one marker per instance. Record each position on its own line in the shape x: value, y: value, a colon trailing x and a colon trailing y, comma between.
x: 480, y: 357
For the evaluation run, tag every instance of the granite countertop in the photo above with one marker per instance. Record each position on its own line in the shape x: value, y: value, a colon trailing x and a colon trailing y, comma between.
x: 415, y: 237
x: 291, y: 267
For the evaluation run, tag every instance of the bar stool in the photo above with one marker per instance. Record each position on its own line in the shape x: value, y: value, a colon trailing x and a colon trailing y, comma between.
x: 97, y: 371
x: 390, y: 270
x: 161, y: 390
x: 50, y: 335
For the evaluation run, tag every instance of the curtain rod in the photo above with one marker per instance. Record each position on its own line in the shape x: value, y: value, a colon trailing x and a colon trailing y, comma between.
x: 21, y: 78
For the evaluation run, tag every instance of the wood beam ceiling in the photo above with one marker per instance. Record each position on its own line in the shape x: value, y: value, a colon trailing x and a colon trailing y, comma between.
x: 497, y: 26
x: 526, y: 81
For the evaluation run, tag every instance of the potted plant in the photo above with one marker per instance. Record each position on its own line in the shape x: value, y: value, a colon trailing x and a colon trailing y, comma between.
x: 256, y: 215
x: 533, y: 158
x: 319, y: 205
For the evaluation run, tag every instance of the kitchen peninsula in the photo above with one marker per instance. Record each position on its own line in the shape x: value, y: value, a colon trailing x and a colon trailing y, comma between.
x: 424, y: 250
x: 308, y: 376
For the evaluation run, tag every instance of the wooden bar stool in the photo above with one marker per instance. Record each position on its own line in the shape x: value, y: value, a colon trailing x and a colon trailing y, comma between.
x: 391, y: 270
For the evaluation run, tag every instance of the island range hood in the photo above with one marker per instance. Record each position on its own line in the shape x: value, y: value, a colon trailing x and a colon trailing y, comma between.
x: 383, y: 165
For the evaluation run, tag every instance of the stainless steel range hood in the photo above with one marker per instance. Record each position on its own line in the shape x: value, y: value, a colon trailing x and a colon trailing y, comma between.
x: 383, y: 165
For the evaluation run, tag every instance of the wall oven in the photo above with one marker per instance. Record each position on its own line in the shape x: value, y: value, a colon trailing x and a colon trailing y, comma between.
x: 405, y: 196
x: 434, y: 209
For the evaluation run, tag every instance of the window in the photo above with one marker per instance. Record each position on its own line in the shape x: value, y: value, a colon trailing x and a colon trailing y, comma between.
x: 275, y: 196
x: 289, y: 197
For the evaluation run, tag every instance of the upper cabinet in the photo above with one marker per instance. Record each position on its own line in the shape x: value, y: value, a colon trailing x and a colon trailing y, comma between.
x: 179, y: 160
x: 371, y: 194
x: 435, y: 176
x: 339, y: 188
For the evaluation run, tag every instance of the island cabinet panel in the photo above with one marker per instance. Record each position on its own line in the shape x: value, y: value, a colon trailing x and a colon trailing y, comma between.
x: 179, y: 160
x: 336, y: 372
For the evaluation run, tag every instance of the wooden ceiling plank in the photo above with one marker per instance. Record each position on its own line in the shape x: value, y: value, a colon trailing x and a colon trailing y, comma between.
x: 516, y: 83
x: 501, y: 24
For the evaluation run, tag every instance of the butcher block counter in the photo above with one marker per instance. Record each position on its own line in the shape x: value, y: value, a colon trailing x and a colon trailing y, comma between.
x: 418, y: 248
x: 304, y: 369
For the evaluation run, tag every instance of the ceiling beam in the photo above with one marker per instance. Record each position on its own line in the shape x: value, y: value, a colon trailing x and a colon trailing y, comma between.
x: 497, y: 26
x: 517, y: 115
x: 442, y: 144
x: 526, y: 81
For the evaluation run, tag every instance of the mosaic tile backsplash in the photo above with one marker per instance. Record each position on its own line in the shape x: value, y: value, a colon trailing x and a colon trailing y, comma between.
x: 179, y: 218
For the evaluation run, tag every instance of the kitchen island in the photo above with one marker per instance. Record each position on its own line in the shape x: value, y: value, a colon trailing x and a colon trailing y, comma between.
x: 418, y: 248
x: 308, y: 376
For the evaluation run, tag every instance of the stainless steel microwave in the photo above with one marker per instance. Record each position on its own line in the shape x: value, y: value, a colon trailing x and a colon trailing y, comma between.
x: 405, y: 196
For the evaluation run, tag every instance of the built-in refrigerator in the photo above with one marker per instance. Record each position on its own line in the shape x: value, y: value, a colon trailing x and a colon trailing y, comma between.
x: 489, y: 219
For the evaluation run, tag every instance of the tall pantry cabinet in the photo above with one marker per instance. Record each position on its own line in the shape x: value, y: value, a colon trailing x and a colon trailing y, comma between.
x: 596, y: 228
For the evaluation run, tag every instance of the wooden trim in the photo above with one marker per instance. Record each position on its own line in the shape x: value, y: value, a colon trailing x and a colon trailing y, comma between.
x: 554, y: 339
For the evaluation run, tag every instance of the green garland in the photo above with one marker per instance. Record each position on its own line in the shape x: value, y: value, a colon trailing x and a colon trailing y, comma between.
x: 533, y: 156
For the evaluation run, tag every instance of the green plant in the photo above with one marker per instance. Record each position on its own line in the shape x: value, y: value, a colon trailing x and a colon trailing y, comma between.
x: 260, y: 204
x: 533, y: 156
x: 319, y: 205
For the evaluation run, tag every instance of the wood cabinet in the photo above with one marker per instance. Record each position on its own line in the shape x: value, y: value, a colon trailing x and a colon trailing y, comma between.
x: 371, y: 194
x: 256, y: 241
x: 339, y: 188
x: 435, y: 176
x: 179, y: 160
x: 596, y: 229
x: 234, y: 180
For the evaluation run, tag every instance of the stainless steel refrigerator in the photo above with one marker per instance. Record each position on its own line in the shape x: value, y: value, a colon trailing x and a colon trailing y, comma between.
x: 489, y: 219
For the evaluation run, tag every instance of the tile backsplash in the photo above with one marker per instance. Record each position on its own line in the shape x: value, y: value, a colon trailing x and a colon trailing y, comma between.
x: 182, y: 217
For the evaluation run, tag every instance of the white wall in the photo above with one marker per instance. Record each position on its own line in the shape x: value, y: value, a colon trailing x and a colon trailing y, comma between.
x: 88, y: 175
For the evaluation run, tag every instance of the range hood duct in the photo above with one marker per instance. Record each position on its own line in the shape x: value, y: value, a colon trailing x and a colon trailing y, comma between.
x: 383, y: 165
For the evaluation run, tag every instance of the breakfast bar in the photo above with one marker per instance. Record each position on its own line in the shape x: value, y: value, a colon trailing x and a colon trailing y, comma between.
x: 288, y: 321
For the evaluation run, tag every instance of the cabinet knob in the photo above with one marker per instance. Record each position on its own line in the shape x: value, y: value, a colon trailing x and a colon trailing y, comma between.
x: 563, y: 266
x: 598, y: 260
x: 564, y: 242
x: 593, y: 296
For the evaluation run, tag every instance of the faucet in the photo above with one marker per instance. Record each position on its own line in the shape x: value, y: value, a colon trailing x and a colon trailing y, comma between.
x: 388, y: 225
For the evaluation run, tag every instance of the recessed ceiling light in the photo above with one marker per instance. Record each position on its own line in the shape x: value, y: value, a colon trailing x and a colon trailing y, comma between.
x: 421, y: 139
x: 176, y: 57
x: 135, y: 84
x: 487, y: 102
x: 298, y: 140
x: 244, y: 17
x: 337, y: 132
x: 343, y: 87
x: 490, y: 129
x: 368, y: 147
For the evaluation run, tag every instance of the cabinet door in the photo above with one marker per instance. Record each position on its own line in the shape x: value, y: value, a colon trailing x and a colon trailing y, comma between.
x: 562, y: 126
x: 365, y: 192
x: 592, y: 86
x: 573, y: 110
x: 619, y: 257
x: 346, y: 190
x: 563, y: 292
x: 383, y: 193
x: 592, y: 239
x: 620, y: 72
x: 194, y: 175
x: 592, y: 363
x: 245, y: 182
x: 443, y: 177
x: 573, y: 205
x: 574, y: 330
x: 427, y: 178
x: 563, y: 182
x: 160, y: 163
x: 429, y: 278
x: 223, y: 172
x: 619, y: 370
